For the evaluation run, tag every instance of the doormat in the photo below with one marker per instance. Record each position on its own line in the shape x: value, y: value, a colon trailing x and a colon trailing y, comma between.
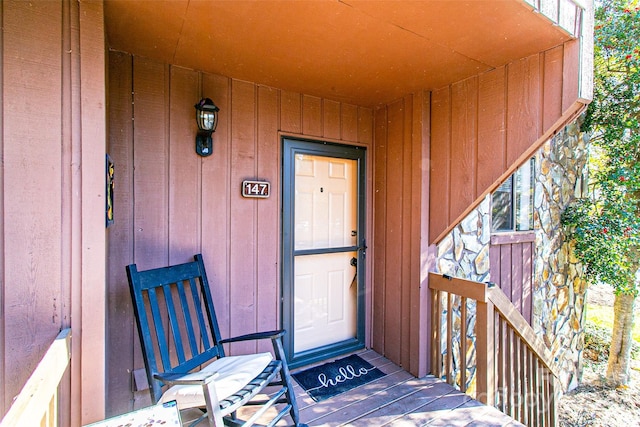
x: 325, y: 381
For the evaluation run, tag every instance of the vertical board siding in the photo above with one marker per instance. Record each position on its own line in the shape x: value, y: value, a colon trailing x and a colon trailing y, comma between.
x: 379, y: 231
x: 3, y: 278
x: 215, y: 205
x: 517, y: 276
x: 184, y: 171
x: 291, y: 115
x: 331, y: 119
x: 421, y: 295
x: 394, y: 239
x: 91, y: 144
x: 150, y: 176
x: 149, y: 181
x: 524, y: 122
x: 311, y: 115
x: 120, y: 335
x: 350, y: 129
x: 52, y: 192
x: 268, y: 221
x: 491, y: 128
x: 570, y: 73
x: 33, y: 282
x: 398, y: 177
x: 552, y: 86
x: 511, y: 270
x: 464, y: 142
x: 364, y: 132
x: 242, y: 254
x: 483, y: 126
x: 171, y: 203
x: 408, y: 218
x: 528, y: 252
x: 505, y: 271
x: 440, y: 192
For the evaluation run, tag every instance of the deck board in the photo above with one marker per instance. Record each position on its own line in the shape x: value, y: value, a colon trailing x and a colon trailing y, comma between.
x: 398, y: 400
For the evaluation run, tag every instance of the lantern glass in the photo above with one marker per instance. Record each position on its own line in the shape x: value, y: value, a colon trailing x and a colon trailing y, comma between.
x: 206, y: 115
x: 206, y: 120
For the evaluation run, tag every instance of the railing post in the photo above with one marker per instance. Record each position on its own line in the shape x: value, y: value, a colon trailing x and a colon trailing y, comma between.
x: 485, y: 359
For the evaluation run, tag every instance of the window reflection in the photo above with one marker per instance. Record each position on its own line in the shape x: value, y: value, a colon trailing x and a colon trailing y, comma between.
x: 512, y: 202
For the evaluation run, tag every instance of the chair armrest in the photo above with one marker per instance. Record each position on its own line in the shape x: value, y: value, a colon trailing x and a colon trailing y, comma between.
x: 255, y: 336
x: 194, y: 378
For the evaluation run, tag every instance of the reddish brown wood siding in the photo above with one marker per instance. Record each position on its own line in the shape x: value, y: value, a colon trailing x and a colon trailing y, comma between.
x: 33, y: 254
x: 52, y: 137
x: 171, y: 203
x: 483, y: 126
x: 511, y: 257
x: 397, y: 297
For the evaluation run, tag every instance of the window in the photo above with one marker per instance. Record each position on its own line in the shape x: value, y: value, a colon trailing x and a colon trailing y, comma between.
x: 512, y: 202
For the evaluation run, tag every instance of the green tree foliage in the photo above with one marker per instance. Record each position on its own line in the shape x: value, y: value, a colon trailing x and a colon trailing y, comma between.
x: 606, y: 227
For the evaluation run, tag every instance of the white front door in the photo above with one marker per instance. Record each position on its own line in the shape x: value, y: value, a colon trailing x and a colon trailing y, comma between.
x: 323, y: 250
x: 325, y: 218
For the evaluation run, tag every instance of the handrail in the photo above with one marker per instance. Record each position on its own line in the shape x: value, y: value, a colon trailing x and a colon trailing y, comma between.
x: 514, y: 370
x: 37, y: 403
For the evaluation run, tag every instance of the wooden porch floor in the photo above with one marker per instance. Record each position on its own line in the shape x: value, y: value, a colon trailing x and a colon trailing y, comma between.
x: 398, y: 399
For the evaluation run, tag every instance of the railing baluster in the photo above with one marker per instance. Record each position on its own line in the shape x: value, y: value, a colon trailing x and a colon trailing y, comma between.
x: 463, y: 344
x: 449, y: 355
x: 549, y: 401
x: 554, y: 399
x: 436, y: 328
x: 509, y: 373
x: 536, y: 382
x: 534, y: 402
x: 543, y: 385
x: 543, y: 400
x: 501, y: 362
x: 530, y: 393
x: 516, y: 377
x: 523, y: 383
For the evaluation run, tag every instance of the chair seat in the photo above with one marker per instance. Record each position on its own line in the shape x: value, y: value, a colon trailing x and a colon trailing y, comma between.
x: 234, y: 372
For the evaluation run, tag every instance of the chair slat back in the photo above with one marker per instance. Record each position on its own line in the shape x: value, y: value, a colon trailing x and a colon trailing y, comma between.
x: 176, y: 320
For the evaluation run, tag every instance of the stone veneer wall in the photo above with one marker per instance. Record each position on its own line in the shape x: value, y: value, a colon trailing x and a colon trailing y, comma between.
x: 558, y: 287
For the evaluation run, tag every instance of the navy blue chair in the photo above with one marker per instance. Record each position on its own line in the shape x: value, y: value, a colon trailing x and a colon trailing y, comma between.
x: 184, y: 356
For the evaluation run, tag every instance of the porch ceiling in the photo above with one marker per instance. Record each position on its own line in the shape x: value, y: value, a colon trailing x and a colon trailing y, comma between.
x: 361, y: 52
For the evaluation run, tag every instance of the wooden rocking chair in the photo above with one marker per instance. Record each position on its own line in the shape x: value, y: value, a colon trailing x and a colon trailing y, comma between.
x: 179, y: 331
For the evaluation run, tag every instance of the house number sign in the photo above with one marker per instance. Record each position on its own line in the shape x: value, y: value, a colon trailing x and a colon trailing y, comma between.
x: 259, y: 189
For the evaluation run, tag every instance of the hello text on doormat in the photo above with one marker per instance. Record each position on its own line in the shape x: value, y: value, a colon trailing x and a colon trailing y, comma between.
x: 325, y: 381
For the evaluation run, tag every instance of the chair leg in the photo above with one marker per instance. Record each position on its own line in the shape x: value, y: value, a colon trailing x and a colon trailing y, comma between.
x: 213, y: 405
x: 285, y: 376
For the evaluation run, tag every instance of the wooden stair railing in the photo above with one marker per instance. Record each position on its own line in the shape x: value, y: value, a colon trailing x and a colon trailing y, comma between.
x: 514, y: 370
x: 37, y: 403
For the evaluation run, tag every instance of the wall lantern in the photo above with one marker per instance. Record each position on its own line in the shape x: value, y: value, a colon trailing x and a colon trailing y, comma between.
x: 207, y: 119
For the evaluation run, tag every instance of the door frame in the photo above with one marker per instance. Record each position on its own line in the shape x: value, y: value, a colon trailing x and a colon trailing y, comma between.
x: 290, y: 147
